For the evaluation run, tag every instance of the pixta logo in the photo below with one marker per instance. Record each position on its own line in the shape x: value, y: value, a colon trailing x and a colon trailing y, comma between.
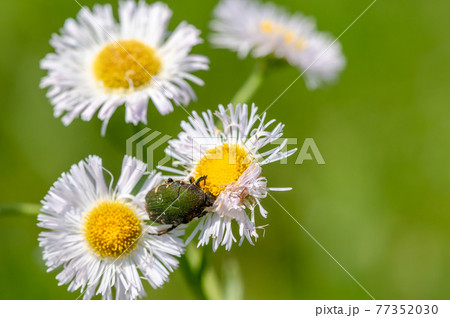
x: 143, y: 144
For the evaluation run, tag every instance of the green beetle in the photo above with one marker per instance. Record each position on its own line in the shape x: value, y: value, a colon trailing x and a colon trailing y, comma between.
x: 176, y: 202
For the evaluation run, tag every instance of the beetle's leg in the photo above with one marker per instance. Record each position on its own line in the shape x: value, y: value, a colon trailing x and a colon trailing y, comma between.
x: 165, y: 231
x: 191, y: 180
x: 201, y: 179
x: 209, y: 199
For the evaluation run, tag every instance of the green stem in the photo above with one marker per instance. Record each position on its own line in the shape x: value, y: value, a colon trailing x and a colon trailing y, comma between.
x: 22, y: 208
x: 193, y: 278
x: 251, y: 85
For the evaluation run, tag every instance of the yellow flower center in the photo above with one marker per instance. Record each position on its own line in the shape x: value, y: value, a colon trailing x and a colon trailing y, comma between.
x: 126, y: 64
x: 222, y: 165
x: 112, y: 228
x: 289, y: 37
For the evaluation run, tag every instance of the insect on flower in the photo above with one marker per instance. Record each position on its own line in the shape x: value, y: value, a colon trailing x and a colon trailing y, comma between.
x: 176, y: 202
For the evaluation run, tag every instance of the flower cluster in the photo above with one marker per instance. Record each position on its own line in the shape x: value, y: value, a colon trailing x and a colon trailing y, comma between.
x: 103, y: 236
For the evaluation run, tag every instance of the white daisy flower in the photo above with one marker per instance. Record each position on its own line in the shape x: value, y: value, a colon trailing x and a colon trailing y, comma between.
x: 230, y: 157
x: 263, y: 29
x: 101, y: 64
x: 98, y: 235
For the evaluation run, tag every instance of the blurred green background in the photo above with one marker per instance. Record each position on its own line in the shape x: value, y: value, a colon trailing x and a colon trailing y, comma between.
x: 380, y: 205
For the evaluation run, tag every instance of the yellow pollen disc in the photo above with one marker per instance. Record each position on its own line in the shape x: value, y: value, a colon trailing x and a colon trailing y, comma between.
x: 300, y: 44
x: 112, y: 228
x: 222, y: 165
x: 289, y: 37
x: 266, y: 26
x: 126, y: 64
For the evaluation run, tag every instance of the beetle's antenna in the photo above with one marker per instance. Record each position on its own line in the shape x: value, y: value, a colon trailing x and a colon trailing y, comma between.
x: 203, y: 178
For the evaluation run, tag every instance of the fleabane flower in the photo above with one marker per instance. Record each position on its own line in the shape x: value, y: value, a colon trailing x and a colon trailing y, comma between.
x: 97, y: 234
x: 100, y: 64
x: 264, y: 29
x: 231, y: 156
